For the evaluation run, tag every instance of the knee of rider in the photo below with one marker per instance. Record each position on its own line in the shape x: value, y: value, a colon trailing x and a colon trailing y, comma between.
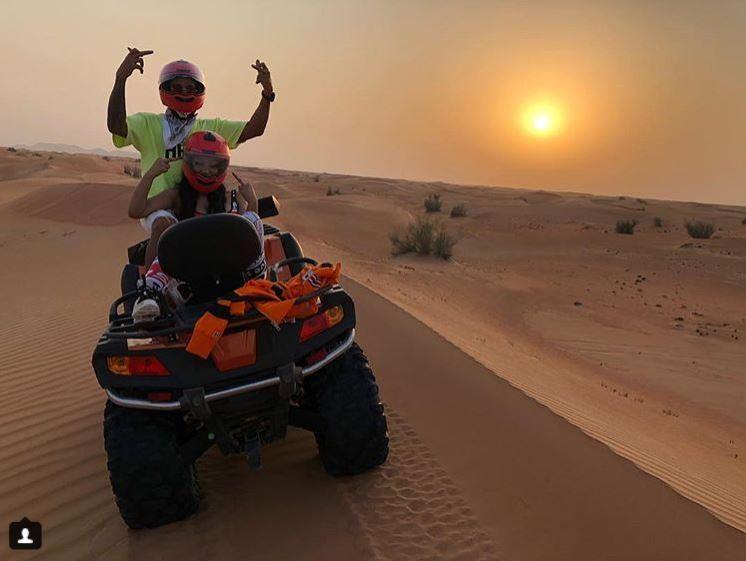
x: 160, y: 224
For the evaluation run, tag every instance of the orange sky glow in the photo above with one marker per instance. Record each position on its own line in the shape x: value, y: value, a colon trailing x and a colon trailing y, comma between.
x: 637, y: 98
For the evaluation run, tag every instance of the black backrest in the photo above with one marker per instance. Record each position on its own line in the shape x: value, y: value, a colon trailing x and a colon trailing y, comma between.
x: 205, y: 249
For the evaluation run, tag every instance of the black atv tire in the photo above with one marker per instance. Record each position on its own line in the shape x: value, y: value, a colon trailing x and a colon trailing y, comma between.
x: 152, y: 484
x: 353, y: 436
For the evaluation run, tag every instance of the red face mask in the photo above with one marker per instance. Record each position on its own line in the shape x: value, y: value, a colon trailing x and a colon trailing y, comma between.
x: 203, y: 183
x: 182, y: 103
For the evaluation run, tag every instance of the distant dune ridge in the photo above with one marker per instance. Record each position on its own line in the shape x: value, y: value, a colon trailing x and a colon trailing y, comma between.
x: 638, y: 340
x: 74, y: 149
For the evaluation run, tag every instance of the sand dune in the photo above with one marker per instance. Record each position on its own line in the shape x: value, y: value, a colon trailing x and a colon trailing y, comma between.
x: 635, y: 339
x: 478, y: 470
x: 95, y: 204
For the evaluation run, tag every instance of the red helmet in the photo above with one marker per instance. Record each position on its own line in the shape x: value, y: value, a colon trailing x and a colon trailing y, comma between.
x: 206, y: 159
x: 181, y: 103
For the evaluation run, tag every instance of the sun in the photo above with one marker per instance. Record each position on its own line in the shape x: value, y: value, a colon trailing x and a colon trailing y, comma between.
x: 542, y: 120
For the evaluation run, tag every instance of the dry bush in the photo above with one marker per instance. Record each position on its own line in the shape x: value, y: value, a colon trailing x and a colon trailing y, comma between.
x: 133, y: 170
x: 11, y: 149
x: 330, y: 191
x: 658, y: 222
x: 700, y: 230
x: 443, y: 245
x: 625, y: 226
x: 424, y: 237
x: 433, y: 203
x: 458, y: 210
x: 743, y: 221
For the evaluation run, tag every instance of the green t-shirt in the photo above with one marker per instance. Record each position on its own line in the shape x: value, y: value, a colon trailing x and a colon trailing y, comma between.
x: 145, y: 133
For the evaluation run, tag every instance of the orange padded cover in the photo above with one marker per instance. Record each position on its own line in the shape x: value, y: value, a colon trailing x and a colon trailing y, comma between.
x: 274, y: 252
x: 235, y: 350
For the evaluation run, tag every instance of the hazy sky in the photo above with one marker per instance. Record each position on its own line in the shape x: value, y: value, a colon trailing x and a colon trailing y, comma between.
x: 651, y: 93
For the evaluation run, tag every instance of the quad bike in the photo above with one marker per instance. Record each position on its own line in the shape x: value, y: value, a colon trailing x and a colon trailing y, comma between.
x: 166, y: 407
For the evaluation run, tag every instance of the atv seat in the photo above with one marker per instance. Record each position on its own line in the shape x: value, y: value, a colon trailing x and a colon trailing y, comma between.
x: 212, y: 253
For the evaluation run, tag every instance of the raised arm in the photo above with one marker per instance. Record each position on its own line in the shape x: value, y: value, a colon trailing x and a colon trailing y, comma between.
x: 116, y: 117
x: 258, y: 122
x: 140, y: 205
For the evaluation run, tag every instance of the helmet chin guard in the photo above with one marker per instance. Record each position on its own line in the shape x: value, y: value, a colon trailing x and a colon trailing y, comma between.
x: 182, y: 103
x: 202, y: 183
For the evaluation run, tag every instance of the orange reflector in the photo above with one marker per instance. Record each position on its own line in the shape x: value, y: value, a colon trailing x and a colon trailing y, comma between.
x: 136, y: 366
x: 313, y: 358
x: 321, y: 322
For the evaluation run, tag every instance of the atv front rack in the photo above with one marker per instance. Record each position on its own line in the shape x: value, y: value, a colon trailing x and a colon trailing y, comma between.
x: 276, y: 380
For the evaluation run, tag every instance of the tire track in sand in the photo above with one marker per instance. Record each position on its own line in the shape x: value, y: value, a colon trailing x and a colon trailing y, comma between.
x: 410, y: 509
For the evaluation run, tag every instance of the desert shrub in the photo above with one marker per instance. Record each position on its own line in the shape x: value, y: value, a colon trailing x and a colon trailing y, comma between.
x: 106, y: 158
x: 658, y: 222
x: 424, y: 237
x: 433, y: 203
x: 316, y: 178
x: 443, y: 244
x: 458, y: 210
x: 700, y: 230
x: 133, y: 170
x: 743, y: 221
x: 417, y: 239
x: 625, y: 226
x: 11, y: 149
x: 330, y: 191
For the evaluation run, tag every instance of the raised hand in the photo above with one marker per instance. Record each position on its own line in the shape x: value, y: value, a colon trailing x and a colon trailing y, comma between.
x: 263, y: 76
x: 248, y: 193
x: 240, y: 181
x: 133, y: 61
x: 160, y: 166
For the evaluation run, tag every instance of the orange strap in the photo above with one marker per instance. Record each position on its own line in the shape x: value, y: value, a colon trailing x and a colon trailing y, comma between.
x: 264, y: 297
x: 275, y: 311
x: 238, y: 308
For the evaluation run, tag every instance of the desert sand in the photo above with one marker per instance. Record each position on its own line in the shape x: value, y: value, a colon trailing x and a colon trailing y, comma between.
x: 555, y: 391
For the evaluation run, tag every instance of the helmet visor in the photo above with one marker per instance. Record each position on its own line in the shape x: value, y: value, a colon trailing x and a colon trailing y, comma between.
x: 183, y: 85
x: 206, y: 165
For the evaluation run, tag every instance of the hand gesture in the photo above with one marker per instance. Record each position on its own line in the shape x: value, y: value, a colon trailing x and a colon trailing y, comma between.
x: 263, y: 76
x: 241, y: 182
x: 160, y: 167
x: 133, y: 61
x: 247, y: 192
